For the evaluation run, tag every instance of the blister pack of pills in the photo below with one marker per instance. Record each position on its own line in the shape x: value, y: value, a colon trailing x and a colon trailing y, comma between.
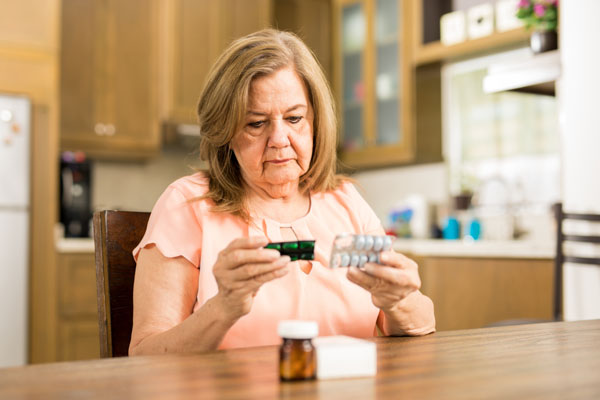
x: 350, y: 250
x: 297, y: 250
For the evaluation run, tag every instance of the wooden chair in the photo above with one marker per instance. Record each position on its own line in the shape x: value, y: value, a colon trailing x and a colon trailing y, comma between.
x: 116, y: 233
x: 561, y: 258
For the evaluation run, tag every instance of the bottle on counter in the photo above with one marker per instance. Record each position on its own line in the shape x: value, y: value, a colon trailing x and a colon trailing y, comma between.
x: 451, y: 229
x: 297, y: 357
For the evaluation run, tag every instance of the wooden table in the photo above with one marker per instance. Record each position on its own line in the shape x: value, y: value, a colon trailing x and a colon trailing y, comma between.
x: 543, y: 361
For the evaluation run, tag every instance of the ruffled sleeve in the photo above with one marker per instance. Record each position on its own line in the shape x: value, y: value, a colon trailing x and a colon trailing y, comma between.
x: 175, y: 225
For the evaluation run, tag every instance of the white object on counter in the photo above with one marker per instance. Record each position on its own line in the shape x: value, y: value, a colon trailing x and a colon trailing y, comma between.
x: 345, y: 357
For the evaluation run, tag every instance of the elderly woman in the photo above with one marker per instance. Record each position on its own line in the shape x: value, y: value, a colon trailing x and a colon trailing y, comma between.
x: 204, y: 279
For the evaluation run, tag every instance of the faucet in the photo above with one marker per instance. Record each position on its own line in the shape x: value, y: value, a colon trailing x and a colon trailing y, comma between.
x: 499, y: 190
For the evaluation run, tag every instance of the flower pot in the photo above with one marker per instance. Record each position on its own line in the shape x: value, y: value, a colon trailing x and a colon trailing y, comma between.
x: 541, y: 41
x: 462, y: 201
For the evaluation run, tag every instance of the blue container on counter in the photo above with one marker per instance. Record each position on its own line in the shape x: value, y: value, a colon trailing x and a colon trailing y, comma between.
x: 451, y: 229
x: 474, y: 229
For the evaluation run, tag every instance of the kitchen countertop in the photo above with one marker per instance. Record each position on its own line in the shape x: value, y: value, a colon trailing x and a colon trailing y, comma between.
x: 418, y: 247
x: 480, y: 248
x: 74, y: 245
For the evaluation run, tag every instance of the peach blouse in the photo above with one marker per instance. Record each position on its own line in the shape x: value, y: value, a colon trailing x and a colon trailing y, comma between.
x: 182, y: 225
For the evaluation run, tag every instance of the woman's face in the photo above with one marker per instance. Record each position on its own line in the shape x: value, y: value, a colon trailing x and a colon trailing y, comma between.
x: 274, y: 143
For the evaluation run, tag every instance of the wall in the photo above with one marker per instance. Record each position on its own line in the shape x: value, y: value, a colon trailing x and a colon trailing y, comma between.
x: 136, y: 186
x: 385, y: 188
x: 580, y: 122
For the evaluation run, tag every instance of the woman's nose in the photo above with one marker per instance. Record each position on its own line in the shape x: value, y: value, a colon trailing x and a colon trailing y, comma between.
x: 278, y: 136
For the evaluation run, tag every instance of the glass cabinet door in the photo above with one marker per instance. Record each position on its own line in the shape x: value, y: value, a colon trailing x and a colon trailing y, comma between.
x: 373, y: 67
x: 387, y: 75
x: 353, y: 32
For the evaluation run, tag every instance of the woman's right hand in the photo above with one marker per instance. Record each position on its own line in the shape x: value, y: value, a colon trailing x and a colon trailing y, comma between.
x: 241, y: 269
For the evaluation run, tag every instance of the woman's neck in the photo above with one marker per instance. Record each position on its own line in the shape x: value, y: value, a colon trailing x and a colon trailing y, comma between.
x: 280, y: 204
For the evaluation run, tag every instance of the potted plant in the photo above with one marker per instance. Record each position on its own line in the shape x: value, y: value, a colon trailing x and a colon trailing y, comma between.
x: 542, y: 17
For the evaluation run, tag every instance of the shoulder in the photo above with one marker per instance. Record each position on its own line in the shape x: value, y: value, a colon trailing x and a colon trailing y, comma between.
x: 191, y: 186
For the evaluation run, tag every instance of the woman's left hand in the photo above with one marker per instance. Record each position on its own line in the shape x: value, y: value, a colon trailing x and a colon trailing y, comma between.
x: 389, y: 282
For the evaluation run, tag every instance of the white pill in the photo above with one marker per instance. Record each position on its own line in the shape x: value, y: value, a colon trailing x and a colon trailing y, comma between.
x: 362, y: 260
x: 359, y: 242
x: 378, y: 243
x: 345, y: 260
x: 373, y: 257
x: 368, y: 242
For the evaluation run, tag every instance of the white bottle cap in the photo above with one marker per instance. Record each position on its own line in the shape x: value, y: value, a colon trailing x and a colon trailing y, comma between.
x: 295, y: 329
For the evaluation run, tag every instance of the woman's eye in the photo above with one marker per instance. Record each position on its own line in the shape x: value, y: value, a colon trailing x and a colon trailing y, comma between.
x: 256, y: 124
x: 294, y: 119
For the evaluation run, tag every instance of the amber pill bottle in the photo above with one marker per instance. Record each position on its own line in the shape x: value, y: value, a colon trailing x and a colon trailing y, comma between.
x: 297, y: 357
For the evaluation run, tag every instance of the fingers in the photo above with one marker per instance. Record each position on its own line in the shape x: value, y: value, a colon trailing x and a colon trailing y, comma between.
x: 392, y: 275
x: 246, y: 251
x: 238, y: 257
x: 259, y: 280
x: 382, y: 280
x: 397, y: 260
x: 366, y: 281
x: 253, y: 270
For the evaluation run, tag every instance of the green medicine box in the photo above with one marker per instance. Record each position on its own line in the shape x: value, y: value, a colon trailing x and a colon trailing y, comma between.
x: 298, y: 250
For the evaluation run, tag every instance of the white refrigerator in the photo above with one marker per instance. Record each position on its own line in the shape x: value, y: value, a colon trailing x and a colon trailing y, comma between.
x: 15, y: 178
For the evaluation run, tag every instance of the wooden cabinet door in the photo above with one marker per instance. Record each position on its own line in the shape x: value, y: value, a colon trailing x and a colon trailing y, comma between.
x: 78, y: 340
x: 81, y: 66
x: 132, y: 118
x: 30, y: 24
x: 474, y: 292
x: 78, y: 333
x: 109, y: 78
x: 242, y: 17
x: 199, y: 31
x: 193, y: 30
x: 311, y: 21
x: 373, y: 79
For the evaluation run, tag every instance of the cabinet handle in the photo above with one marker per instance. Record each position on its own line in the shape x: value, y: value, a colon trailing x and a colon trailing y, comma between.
x: 100, y: 129
x: 110, y: 130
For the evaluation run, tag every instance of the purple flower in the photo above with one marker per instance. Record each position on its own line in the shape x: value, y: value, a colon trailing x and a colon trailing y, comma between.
x: 539, y: 10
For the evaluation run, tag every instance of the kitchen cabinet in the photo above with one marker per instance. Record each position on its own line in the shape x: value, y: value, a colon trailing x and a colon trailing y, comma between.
x: 196, y: 33
x: 311, y: 21
x: 472, y: 292
x: 30, y: 25
x: 373, y: 81
x: 109, y: 74
x: 77, y: 317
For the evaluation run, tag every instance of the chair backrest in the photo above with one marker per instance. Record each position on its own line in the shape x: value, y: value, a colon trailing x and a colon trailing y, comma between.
x: 561, y: 258
x: 116, y: 233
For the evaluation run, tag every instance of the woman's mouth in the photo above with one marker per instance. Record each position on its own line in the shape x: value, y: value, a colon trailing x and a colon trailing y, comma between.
x: 280, y: 162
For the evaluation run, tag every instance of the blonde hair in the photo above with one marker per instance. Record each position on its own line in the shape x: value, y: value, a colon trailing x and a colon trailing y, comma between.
x: 223, y: 105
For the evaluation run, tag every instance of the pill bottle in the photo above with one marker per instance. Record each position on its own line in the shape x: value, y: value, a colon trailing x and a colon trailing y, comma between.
x: 297, y: 357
